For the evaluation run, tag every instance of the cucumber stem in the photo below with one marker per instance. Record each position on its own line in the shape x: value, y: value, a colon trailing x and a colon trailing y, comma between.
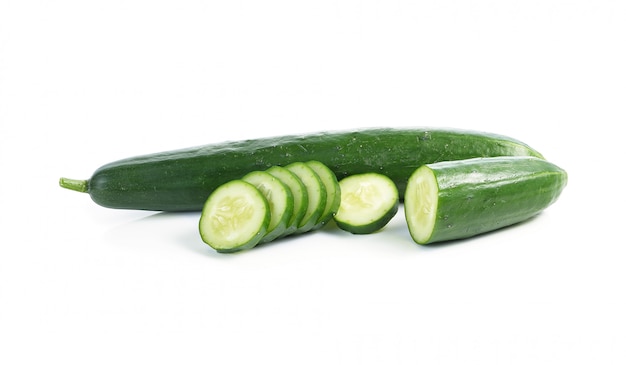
x: 72, y: 184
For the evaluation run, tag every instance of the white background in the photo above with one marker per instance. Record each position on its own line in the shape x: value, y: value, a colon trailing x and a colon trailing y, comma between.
x: 83, y: 83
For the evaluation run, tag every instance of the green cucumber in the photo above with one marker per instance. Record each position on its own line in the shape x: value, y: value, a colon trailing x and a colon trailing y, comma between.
x: 368, y: 202
x: 280, y: 201
x: 459, y: 199
x: 298, y: 191
x: 316, y: 193
x: 181, y: 180
x: 235, y: 217
x: 333, y: 191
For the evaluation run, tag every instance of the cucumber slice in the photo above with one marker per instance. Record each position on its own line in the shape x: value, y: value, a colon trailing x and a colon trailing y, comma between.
x: 368, y: 202
x: 280, y: 200
x: 316, y: 193
x: 298, y: 191
x: 333, y: 191
x: 235, y: 217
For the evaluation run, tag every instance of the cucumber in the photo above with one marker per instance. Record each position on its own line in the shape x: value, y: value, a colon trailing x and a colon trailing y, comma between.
x: 459, y: 199
x: 368, y: 202
x: 316, y: 193
x: 299, y: 194
x: 280, y: 200
x: 181, y: 180
x: 235, y: 217
x: 333, y: 191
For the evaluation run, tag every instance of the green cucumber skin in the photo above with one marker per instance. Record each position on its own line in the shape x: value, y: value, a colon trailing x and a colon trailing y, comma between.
x: 181, y: 180
x: 485, y: 194
x: 372, y: 227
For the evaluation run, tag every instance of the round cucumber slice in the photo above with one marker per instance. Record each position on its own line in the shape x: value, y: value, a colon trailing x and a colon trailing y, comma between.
x: 316, y: 192
x: 333, y: 191
x: 368, y: 202
x: 235, y: 217
x: 280, y: 200
x: 298, y: 191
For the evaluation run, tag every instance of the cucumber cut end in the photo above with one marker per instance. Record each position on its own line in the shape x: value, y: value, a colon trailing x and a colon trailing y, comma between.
x: 236, y: 216
x: 420, y: 204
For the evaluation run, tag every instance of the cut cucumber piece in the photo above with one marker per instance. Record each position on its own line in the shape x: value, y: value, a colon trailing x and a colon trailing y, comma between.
x: 280, y: 200
x: 300, y: 196
x: 235, y: 217
x: 459, y: 199
x: 333, y: 191
x: 316, y: 193
x: 368, y: 202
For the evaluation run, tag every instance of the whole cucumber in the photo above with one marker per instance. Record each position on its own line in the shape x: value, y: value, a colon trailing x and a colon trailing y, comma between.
x: 182, y: 180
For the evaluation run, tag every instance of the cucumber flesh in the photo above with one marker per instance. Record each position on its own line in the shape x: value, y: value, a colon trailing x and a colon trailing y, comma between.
x: 368, y: 202
x: 316, y: 193
x: 420, y: 199
x: 280, y: 200
x: 235, y: 217
x: 333, y: 191
x: 298, y: 191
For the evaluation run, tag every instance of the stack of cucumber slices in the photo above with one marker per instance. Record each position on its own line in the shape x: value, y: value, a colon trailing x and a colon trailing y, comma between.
x: 266, y: 205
